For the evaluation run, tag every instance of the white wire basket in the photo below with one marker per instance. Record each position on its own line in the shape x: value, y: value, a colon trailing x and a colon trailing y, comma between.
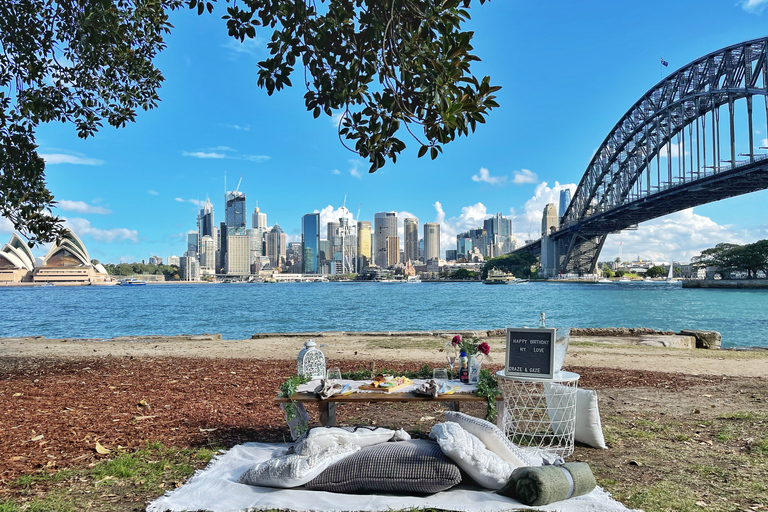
x: 540, y: 413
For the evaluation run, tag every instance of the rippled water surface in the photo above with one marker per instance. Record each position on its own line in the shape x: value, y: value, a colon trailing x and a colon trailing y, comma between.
x: 239, y: 310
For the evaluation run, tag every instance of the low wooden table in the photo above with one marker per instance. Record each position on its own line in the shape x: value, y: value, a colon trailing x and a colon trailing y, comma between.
x: 328, y: 407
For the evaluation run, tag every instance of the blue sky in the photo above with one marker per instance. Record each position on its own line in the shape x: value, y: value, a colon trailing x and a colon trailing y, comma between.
x: 568, y: 71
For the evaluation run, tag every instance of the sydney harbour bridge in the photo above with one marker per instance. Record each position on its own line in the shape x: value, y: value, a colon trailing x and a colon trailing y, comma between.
x: 675, y: 148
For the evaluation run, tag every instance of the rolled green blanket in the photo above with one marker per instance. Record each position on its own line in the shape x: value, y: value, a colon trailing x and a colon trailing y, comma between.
x: 542, y: 485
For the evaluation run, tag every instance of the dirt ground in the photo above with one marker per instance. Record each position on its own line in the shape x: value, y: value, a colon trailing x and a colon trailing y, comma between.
x: 59, y: 398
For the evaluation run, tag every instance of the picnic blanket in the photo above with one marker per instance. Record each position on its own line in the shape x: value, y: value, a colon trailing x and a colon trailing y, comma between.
x: 216, y: 489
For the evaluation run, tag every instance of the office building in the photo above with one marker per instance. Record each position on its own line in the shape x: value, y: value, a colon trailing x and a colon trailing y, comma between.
x: 565, y: 200
x: 344, y: 242
x: 221, y: 250
x: 384, y: 226
x: 192, y: 242
x: 330, y: 232
x: 276, y: 246
x: 190, y: 268
x: 155, y: 260
x: 363, y: 245
x: 258, y: 219
x: 174, y: 260
x: 431, y: 241
x: 450, y: 255
x: 238, y: 259
x: 207, y: 255
x: 310, y: 243
x: 411, y: 237
x: 205, y: 223
x: 549, y: 219
x: 235, y: 209
x: 393, y: 251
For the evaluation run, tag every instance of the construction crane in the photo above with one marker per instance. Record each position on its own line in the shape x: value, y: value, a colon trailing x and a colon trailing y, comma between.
x: 238, y: 183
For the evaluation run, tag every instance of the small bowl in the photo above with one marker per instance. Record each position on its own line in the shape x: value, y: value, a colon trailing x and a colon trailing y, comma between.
x: 388, y: 378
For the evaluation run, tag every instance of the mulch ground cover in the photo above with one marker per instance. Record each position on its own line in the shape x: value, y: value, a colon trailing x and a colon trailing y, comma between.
x: 54, y: 413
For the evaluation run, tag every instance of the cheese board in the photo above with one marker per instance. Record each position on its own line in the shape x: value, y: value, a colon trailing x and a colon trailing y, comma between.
x: 387, y: 387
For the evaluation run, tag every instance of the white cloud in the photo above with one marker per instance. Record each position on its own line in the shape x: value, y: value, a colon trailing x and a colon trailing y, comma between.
x: 354, y: 169
x: 764, y: 143
x: 245, y: 128
x: 195, y: 202
x: 530, y: 220
x: 470, y: 217
x: 81, y: 207
x: 256, y: 158
x: 335, y: 171
x: 203, y: 154
x: 524, y: 176
x: 678, y: 236
x: 249, y: 46
x: 83, y: 227
x: 336, y: 119
x: 61, y: 158
x: 221, y: 148
x: 485, y: 176
x: 677, y: 150
x: 754, y: 6
x: 331, y: 214
x: 152, y: 192
x: 6, y: 227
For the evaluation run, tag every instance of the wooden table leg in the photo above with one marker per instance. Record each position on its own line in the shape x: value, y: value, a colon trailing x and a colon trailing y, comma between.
x: 455, y: 406
x: 327, y: 414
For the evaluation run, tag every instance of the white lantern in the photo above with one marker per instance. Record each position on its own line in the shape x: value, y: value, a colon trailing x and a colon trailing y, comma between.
x: 311, y: 361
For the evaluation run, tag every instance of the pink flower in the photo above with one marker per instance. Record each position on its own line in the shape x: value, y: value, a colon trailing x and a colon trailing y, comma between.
x: 456, y: 341
x: 484, y: 348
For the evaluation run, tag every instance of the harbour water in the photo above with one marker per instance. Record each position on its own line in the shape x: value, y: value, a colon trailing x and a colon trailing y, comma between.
x: 239, y: 310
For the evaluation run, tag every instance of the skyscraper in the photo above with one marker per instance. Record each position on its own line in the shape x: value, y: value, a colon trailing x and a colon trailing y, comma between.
x: 235, y: 209
x: 431, y: 241
x: 238, y: 261
x: 258, y: 219
x: 384, y: 226
x: 344, y: 244
x: 276, y: 246
x: 207, y: 255
x: 205, y: 225
x: 411, y: 235
x: 565, y: 200
x: 363, y: 244
x: 310, y: 242
x: 393, y: 251
x: 548, y: 219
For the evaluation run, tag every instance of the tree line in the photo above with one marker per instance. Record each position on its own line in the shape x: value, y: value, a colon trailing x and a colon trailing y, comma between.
x: 171, y: 272
x: 727, y: 258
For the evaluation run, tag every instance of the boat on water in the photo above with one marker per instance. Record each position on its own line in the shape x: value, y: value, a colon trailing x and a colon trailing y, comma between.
x: 413, y: 279
x: 603, y: 280
x: 131, y: 281
x: 496, y: 276
x: 624, y: 280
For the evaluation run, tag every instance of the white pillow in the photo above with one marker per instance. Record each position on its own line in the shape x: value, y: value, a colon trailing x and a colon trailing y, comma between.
x: 491, y: 436
x: 470, y: 454
x: 319, y: 438
x: 587, y: 429
x: 294, y: 470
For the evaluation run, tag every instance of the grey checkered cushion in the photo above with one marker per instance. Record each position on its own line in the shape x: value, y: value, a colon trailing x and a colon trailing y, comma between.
x: 415, y: 467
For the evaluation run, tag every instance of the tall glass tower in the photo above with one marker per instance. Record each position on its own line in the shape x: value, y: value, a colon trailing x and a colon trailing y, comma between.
x: 385, y: 226
x: 411, y: 235
x: 310, y: 242
x: 235, y: 209
x: 565, y: 200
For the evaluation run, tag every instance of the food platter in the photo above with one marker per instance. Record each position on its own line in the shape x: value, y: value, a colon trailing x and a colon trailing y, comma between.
x: 387, y: 386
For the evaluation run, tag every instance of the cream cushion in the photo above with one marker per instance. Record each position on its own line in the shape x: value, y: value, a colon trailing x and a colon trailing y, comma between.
x: 492, y: 437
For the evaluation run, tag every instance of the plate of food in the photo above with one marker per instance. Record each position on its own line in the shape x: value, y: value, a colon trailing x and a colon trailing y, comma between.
x: 387, y: 383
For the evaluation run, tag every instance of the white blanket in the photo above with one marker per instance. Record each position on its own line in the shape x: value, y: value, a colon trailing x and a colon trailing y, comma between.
x: 216, y: 490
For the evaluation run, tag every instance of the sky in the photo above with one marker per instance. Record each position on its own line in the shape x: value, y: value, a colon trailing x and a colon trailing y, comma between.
x: 568, y: 71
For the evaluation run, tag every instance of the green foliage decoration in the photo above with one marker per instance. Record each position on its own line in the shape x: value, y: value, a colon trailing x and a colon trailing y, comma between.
x: 488, y: 388
x: 287, y: 390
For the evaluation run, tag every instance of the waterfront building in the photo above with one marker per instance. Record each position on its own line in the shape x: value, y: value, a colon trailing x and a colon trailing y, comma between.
x: 463, y: 245
x: 384, y: 226
x: 155, y: 260
x: 192, y: 242
x: 310, y: 243
x: 205, y: 224
x: 565, y: 200
x: 276, y: 246
x: 238, y: 260
x: 450, y: 255
x: 258, y: 219
x: 363, y: 245
x: 393, y: 250
x: 235, y: 209
x: 431, y: 240
x: 174, y: 260
x: 67, y: 262
x: 294, y: 257
x: 256, y: 242
x: 207, y: 256
x: 411, y: 236
x: 549, y: 219
x: 221, y: 252
x: 344, y: 244
x: 190, y: 268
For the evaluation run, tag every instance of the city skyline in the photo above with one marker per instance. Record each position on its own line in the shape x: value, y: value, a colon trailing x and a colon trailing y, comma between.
x: 136, y: 192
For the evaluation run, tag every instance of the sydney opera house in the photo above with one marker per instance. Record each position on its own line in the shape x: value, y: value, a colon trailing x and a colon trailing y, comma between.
x: 67, y: 262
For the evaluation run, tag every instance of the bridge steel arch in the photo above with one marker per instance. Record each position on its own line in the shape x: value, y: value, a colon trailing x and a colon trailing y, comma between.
x: 677, y: 122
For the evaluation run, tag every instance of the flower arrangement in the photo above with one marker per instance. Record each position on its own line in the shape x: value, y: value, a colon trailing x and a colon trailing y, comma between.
x: 471, y: 346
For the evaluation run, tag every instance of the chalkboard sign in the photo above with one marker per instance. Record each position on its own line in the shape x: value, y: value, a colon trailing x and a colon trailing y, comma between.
x: 530, y: 353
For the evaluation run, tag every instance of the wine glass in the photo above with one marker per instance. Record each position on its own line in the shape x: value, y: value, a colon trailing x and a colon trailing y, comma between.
x: 333, y: 374
x: 440, y: 375
x: 451, y: 362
